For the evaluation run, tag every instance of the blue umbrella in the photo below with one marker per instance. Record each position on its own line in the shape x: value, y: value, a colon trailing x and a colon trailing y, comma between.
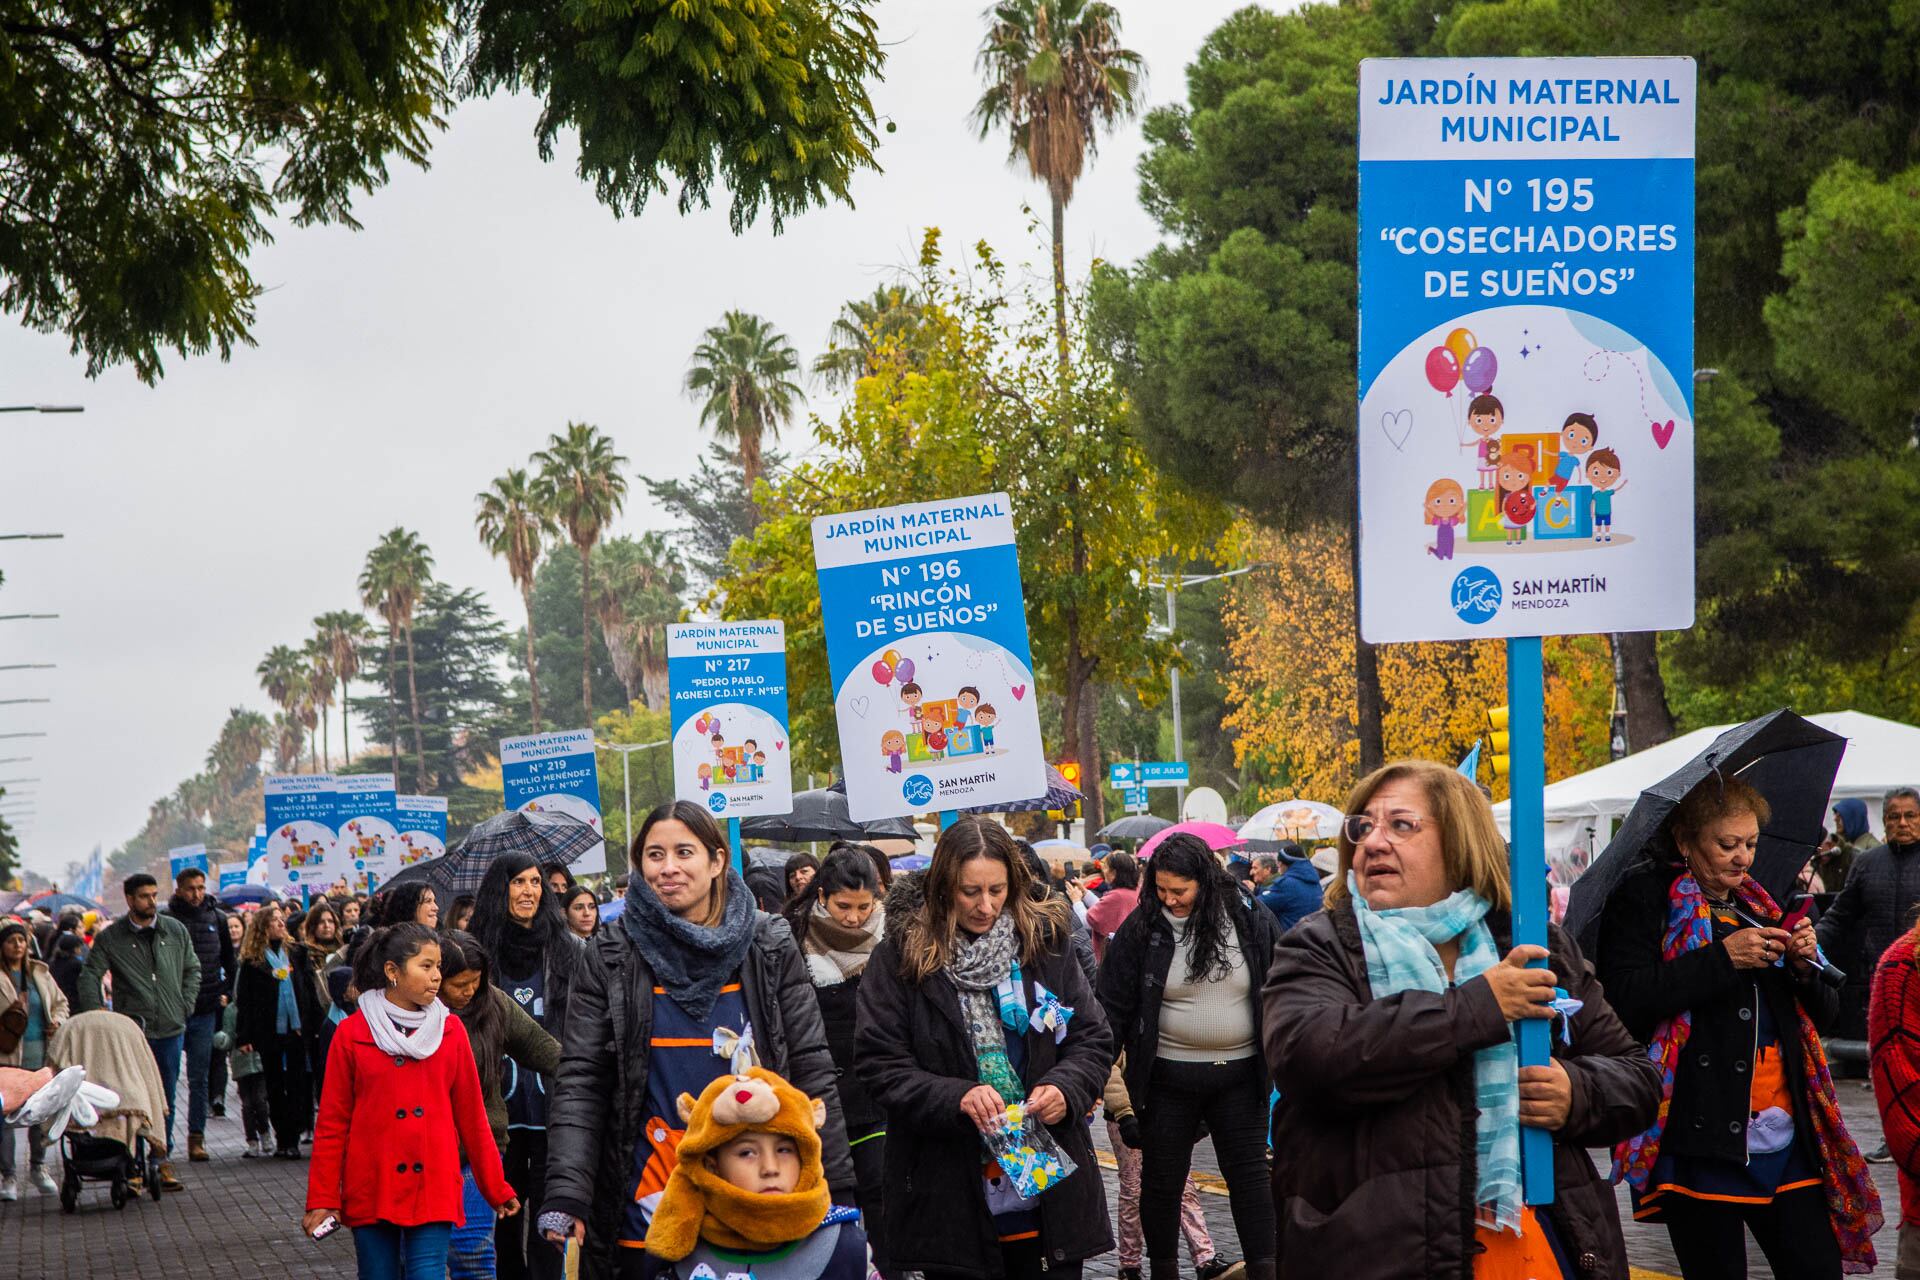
x: 613, y: 910
x: 254, y: 893
x: 54, y: 903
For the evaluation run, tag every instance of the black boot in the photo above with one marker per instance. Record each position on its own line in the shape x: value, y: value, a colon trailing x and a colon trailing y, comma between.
x: 1262, y: 1270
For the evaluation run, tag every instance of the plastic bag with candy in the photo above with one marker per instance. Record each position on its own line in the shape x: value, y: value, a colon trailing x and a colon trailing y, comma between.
x: 1027, y: 1153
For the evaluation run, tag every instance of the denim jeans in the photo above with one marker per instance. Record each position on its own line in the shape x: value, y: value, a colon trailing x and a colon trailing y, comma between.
x: 199, y: 1038
x: 471, y: 1254
x: 166, y: 1055
x: 387, y: 1252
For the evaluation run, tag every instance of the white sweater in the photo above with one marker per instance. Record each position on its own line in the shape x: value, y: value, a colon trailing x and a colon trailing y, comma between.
x: 1209, y: 1020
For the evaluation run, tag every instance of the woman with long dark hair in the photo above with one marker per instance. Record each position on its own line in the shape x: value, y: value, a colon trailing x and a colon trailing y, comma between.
x: 692, y: 984
x: 278, y: 1003
x: 536, y: 960
x: 801, y: 869
x: 838, y: 920
x: 1181, y: 986
x: 973, y: 1002
x: 505, y: 1041
x: 582, y: 908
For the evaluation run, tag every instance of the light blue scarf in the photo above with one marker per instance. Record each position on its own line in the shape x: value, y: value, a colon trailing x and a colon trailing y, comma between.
x: 1399, y: 946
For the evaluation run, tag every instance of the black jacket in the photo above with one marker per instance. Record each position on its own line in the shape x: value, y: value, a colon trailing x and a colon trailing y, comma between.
x: 1134, y: 976
x: 912, y: 1052
x: 1374, y: 1134
x: 256, y: 996
x: 207, y: 930
x: 1875, y: 907
x: 1713, y: 1081
x: 599, y: 1098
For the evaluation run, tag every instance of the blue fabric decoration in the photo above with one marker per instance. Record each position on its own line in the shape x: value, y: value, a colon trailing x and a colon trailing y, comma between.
x: 1049, y: 1014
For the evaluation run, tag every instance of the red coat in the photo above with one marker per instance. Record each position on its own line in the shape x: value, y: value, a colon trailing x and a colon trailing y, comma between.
x: 387, y: 1141
x: 1893, y: 1029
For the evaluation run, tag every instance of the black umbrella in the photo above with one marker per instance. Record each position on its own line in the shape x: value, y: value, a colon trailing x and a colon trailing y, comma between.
x: 549, y: 837
x: 821, y: 815
x: 1135, y: 826
x: 1788, y: 760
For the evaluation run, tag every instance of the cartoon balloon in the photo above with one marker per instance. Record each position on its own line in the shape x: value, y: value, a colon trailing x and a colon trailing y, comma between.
x: 1479, y: 370
x: 1461, y: 342
x: 905, y: 670
x: 1443, y: 370
x: 937, y: 739
x: 883, y: 671
x: 891, y: 657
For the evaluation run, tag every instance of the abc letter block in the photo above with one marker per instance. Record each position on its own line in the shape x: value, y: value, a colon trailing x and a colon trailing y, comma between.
x: 917, y: 749
x: 963, y: 742
x: 1567, y: 514
x: 1546, y: 453
x: 1483, y: 517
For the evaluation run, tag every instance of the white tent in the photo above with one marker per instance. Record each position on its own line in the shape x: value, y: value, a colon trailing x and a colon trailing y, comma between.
x: 1583, y: 810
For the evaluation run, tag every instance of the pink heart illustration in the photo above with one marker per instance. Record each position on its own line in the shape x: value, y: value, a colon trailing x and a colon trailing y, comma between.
x: 1663, y: 433
x: 1019, y: 692
x: 780, y: 744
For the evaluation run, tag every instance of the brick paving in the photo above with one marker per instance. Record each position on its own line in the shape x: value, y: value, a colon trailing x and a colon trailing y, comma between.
x: 239, y: 1220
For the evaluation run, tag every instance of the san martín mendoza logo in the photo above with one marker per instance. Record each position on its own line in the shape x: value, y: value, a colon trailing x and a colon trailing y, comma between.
x: 1476, y: 593
x: 918, y: 788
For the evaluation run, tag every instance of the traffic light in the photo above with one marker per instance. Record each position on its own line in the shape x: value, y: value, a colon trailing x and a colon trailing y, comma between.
x: 1498, y: 738
x: 1069, y: 770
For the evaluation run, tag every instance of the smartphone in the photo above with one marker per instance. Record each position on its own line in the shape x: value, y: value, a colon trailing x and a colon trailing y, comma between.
x: 327, y: 1228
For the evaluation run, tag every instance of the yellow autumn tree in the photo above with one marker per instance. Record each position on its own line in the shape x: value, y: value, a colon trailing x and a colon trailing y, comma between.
x: 1291, y: 691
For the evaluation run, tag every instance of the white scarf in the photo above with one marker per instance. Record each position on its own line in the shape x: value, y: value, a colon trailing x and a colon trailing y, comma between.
x: 389, y: 1025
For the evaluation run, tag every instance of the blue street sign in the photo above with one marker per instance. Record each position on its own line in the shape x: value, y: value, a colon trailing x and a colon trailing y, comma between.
x: 1134, y: 797
x: 1147, y: 773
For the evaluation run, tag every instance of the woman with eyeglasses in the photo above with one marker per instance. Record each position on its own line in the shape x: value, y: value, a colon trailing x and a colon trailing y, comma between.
x: 1726, y: 993
x: 1181, y: 987
x: 1388, y: 1025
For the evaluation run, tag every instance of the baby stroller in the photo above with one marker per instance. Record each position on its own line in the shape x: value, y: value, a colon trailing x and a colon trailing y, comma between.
x: 129, y: 1139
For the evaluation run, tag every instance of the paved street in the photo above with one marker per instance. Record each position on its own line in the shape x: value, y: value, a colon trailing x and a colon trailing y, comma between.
x: 239, y: 1219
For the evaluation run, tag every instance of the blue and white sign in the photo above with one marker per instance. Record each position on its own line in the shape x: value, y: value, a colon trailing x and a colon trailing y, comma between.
x: 727, y: 684
x: 1526, y: 346
x: 300, y: 831
x: 232, y: 876
x: 556, y: 773
x: 257, y: 855
x: 1147, y: 773
x: 1134, y: 797
x: 927, y: 640
x: 365, y: 814
x: 422, y: 822
x: 187, y: 855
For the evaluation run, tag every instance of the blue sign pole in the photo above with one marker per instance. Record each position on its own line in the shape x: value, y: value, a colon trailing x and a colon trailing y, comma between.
x: 1528, y: 851
x: 948, y: 817
x: 733, y: 844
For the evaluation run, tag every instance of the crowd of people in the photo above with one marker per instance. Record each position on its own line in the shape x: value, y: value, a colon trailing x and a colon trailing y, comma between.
x: 892, y: 1073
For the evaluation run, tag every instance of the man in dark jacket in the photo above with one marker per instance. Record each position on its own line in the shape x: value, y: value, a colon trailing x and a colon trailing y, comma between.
x: 1876, y: 907
x: 218, y: 963
x: 1290, y: 888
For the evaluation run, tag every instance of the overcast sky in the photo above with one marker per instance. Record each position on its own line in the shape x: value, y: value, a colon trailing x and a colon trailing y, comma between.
x: 488, y: 301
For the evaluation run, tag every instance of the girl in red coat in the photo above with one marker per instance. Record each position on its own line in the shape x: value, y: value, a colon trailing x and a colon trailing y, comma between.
x: 402, y: 1097
x: 1893, y: 1028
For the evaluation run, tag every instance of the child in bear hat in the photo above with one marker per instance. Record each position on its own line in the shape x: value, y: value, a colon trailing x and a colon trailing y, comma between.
x: 748, y: 1196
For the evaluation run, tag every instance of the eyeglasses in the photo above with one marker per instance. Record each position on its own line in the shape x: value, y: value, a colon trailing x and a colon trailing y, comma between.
x: 1358, y: 826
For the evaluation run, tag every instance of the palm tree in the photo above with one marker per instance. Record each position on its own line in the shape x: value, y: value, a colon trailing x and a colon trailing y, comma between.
x: 398, y: 569
x: 283, y: 676
x: 1056, y: 73
x: 343, y: 632
x: 862, y: 330
x: 288, y: 738
x: 513, y: 526
x: 320, y: 690
x: 642, y: 580
x: 741, y: 377
x: 236, y: 753
x: 581, y: 490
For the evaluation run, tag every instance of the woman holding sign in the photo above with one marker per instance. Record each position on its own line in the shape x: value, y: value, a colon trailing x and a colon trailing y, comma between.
x: 979, y: 1037
x: 1388, y: 1026
x: 691, y: 983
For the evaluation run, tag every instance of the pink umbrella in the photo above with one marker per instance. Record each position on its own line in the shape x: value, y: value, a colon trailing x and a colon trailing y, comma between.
x: 1217, y: 837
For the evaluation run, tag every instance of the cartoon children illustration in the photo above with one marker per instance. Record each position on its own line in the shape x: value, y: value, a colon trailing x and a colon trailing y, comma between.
x: 968, y: 698
x: 1576, y: 438
x: 893, y: 745
x: 1446, y: 506
x: 759, y: 765
x: 747, y: 751
x: 1516, y: 484
x: 1485, y: 416
x: 910, y: 696
x: 719, y: 743
x: 984, y: 718
x: 1603, y: 473
x: 933, y: 727
x: 705, y: 774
